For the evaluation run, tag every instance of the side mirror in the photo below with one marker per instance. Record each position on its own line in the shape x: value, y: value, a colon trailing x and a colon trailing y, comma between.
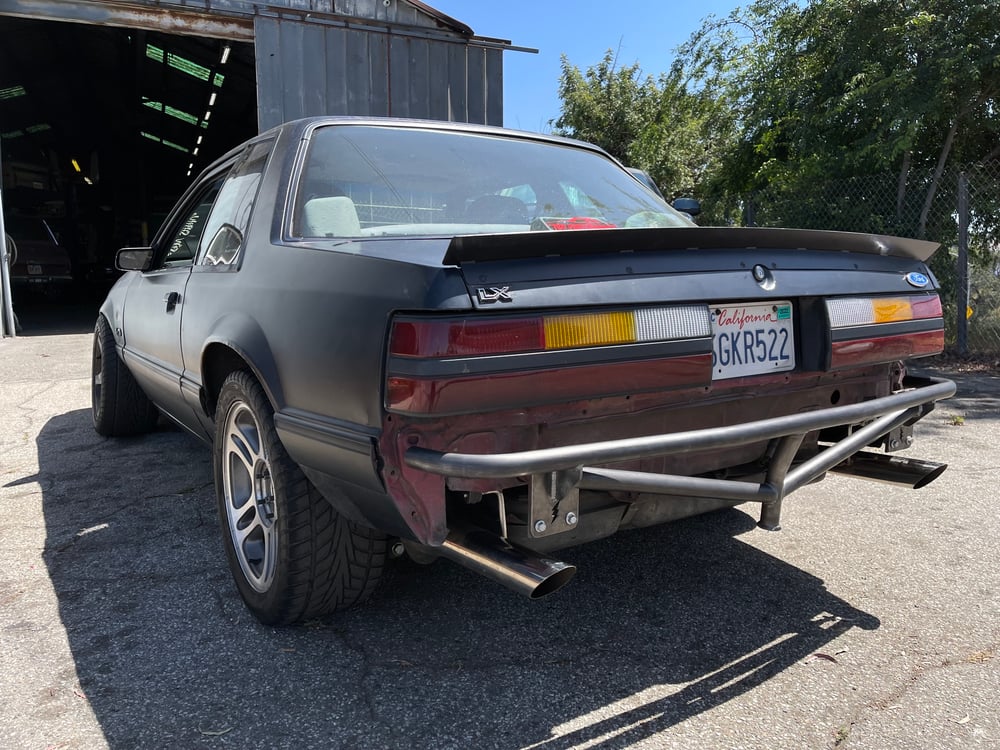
x: 690, y: 206
x: 134, y: 259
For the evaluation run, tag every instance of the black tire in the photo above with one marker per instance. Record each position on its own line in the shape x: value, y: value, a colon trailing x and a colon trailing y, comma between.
x: 293, y: 557
x: 118, y: 404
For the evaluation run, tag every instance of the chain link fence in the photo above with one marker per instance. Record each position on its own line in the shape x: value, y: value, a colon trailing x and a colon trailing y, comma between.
x: 960, y: 208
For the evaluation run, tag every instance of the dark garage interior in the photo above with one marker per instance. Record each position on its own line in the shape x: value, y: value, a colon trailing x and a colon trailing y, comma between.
x: 102, y: 128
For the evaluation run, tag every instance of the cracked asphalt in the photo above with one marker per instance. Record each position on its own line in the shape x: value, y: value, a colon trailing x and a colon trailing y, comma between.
x: 870, y: 621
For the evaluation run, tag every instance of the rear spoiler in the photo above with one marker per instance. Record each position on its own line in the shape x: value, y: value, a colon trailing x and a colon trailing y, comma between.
x: 476, y: 248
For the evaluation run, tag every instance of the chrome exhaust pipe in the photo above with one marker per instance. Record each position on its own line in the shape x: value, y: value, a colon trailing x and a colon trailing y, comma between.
x: 879, y: 467
x: 515, y: 568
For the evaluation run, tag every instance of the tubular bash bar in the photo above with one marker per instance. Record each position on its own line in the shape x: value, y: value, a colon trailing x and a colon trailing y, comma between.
x: 570, y: 462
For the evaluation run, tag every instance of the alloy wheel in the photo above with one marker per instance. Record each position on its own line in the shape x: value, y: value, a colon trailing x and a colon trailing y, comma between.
x: 251, y: 510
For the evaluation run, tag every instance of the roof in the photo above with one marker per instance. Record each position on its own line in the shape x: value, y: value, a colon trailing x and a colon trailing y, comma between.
x: 440, y: 17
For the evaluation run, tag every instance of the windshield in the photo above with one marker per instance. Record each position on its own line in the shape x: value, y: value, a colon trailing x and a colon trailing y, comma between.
x: 372, y: 181
x: 31, y: 230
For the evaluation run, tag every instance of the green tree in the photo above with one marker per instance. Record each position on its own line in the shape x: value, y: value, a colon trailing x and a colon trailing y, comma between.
x: 654, y: 124
x: 784, y: 97
x: 841, y: 88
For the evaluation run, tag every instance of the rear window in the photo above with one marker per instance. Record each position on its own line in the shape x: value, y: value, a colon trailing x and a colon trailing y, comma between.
x: 375, y: 181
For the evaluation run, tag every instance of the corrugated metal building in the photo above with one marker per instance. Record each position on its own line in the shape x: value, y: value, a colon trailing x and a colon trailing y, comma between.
x: 108, y: 109
x: 407, y: 60
x: 399, y: 58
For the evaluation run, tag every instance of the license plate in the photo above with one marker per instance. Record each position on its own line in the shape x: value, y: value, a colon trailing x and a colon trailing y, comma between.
x: 751, y: 339
x: 34, y: 269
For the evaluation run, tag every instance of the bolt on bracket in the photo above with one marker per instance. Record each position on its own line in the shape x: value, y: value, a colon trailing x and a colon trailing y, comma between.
x: 554, y: 501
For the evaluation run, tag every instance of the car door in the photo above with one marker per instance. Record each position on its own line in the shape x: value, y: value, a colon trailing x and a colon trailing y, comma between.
x: 152, y: 314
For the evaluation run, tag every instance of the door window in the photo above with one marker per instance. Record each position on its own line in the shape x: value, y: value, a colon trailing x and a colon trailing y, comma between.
x: 183, y: 245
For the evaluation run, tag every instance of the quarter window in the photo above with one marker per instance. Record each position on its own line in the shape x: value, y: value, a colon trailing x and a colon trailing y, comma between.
x: 225, y: 231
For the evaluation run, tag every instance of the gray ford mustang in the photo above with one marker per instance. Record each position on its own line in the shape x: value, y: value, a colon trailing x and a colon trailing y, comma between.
x: 440, y: 340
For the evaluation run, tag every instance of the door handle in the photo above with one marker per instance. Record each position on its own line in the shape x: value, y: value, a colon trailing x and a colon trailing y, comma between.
x: 172, y: 299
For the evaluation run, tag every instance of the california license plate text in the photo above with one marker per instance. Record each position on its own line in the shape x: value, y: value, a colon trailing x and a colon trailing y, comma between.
x: 752, y: 339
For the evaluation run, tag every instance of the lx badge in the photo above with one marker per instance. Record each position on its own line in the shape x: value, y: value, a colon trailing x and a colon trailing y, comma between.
x: 494, y: 294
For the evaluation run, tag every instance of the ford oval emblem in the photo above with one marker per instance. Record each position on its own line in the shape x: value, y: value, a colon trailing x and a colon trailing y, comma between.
x: 917, y: 279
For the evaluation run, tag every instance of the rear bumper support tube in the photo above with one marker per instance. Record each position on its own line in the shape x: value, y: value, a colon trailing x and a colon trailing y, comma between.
x: 882, y: 416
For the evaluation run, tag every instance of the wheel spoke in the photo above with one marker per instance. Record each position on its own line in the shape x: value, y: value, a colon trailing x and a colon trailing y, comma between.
x: 240, y: 448
x: 246, y: 525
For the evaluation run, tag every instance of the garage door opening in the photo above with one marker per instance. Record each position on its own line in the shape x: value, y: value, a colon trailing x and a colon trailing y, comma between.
x: 101, y: 129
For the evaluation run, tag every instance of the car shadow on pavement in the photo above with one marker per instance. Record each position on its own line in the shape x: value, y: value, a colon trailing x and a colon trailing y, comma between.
x: 660, y: 625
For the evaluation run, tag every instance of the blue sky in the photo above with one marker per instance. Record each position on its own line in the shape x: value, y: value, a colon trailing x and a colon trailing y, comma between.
x: 647, y: 31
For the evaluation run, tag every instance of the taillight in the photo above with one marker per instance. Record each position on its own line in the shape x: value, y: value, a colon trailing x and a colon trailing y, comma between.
x: 869, y: 330
x: 454, y: 365
x: 846, y: 312
x: 463, y: 338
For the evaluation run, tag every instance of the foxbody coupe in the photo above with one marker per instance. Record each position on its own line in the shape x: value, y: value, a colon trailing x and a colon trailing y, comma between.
x: 445, y: 340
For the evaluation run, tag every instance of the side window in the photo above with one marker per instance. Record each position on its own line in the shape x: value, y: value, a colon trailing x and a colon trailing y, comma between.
x: 225, y: 231
x: 183, y: 246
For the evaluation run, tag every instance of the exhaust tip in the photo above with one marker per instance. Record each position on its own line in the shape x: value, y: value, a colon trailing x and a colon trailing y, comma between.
x: 562, y: 574
x: 930, y: 477
x: 910, y: 472
x: 518, y: 569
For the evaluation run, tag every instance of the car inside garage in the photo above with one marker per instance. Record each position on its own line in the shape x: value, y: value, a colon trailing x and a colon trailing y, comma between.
x: 102, y: 128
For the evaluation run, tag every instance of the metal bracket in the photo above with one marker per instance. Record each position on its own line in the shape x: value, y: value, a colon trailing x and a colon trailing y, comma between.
x: 554, y: 500
x: 899, y: 439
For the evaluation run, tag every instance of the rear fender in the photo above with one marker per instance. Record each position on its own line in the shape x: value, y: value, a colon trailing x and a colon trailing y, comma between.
x: 238, y: 341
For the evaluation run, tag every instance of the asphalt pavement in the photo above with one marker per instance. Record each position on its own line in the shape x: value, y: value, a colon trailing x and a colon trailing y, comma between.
x: 871, y: 620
